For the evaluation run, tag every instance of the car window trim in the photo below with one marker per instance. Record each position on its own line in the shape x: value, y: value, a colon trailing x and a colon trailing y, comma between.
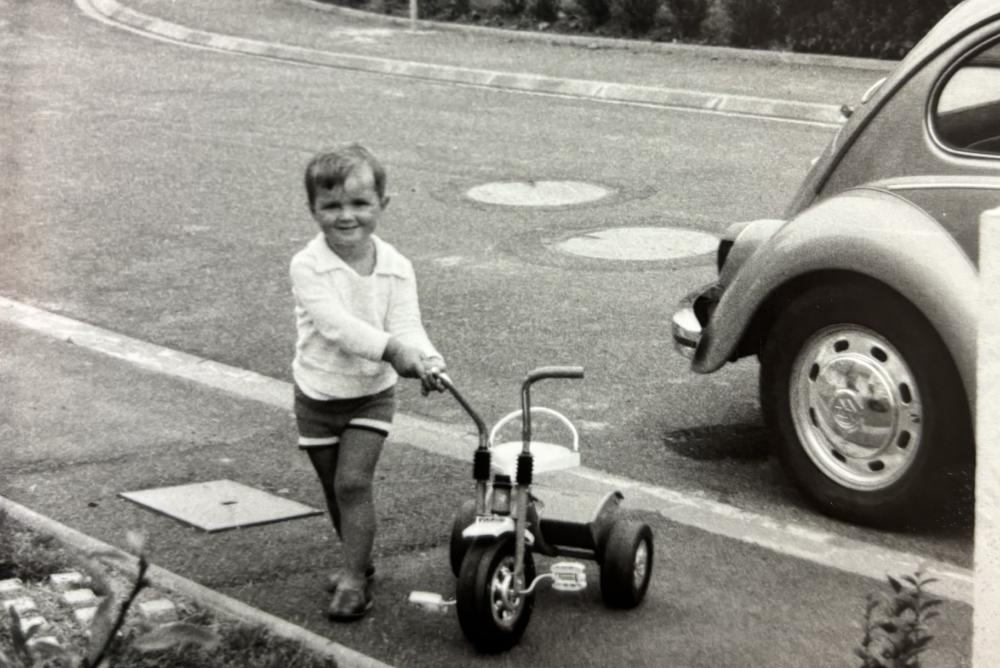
x: 934, y: 99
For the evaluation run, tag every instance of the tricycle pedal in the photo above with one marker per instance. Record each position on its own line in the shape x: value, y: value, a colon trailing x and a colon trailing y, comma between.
x: 568, y: 576
x: 430, y: 602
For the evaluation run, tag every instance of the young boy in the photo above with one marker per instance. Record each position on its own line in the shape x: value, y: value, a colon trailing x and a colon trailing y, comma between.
x: 359, y: 329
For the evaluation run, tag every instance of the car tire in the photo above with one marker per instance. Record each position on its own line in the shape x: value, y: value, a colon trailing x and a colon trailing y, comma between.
x: 866, y: 406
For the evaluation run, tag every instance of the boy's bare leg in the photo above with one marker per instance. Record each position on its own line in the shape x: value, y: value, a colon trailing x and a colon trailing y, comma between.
x: 324, y: 460
x: 359, y: 453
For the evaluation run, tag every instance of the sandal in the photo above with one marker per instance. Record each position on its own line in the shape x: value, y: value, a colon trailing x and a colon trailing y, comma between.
x: 334, y: 579
x: 350, y: 604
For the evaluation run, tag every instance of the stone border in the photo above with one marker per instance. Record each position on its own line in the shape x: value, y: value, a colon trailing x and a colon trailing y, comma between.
x: 113, y: 12
x: 218, y: 603
x: 727, y: 52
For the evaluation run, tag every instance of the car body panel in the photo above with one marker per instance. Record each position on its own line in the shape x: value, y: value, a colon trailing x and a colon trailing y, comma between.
x: 899, y: 105
x: 887, y: 199
x: 869, y: 232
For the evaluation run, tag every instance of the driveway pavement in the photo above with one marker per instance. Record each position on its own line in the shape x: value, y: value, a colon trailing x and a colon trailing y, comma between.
x: 80, y: 427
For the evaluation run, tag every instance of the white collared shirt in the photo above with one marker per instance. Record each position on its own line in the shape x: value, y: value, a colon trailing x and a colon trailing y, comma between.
x: 345, y: 320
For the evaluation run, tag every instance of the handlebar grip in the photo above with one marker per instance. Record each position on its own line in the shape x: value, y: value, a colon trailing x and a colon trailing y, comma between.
x: 554, y: 372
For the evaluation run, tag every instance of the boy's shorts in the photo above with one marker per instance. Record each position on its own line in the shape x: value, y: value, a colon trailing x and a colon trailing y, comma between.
x: 320, y: 423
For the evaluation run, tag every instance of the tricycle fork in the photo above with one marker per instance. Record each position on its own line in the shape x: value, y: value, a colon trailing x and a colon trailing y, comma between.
x: 525, y: 461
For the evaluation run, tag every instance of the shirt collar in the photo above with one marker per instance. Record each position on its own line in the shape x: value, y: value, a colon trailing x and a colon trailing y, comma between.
x: 386, y: 260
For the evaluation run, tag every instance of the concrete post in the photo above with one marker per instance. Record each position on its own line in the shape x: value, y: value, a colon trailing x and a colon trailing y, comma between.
x: 413, y: 15
x: 986, y: 615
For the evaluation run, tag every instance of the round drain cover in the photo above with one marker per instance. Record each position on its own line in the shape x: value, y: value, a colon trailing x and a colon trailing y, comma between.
x: 537, y: 193
x: 640, y: 243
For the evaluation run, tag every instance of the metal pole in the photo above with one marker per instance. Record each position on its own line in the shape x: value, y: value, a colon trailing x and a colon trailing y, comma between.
x: 413, y: 15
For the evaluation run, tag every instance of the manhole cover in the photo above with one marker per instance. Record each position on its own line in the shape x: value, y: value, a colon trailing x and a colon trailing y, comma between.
x: 537, y: 193
x: 640, y: 243
x: 219, y: 504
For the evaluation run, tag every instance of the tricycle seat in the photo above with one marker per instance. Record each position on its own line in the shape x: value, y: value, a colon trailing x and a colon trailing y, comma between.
x: 547, y: 457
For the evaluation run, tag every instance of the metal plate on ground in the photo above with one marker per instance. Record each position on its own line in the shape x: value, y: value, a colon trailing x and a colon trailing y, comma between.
x: 640, y: 244
x: 537, y: 193
x: 217, y: 505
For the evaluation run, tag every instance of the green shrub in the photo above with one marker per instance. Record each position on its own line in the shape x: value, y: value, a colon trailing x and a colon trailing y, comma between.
x: 545, y: 10
x: 752, y: 23
x: 513, y: 7
x: 896, y: 627
x: 596, y: 12
x: 859, y: 27
x: 688, y: 15
x: 637, y: 16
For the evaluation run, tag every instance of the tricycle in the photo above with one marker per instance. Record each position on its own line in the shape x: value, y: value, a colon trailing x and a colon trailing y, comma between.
x: 495, y: 535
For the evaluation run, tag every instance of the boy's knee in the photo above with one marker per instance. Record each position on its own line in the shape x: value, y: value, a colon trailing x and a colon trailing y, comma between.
x: 352, y: 489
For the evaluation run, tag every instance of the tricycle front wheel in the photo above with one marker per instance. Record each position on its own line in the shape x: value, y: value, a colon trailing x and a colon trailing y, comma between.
x: 458, y: 545
x: 491, y: 612
x: 627, y: 564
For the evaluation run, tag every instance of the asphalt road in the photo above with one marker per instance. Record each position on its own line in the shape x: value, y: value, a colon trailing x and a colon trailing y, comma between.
x: 156, y: 191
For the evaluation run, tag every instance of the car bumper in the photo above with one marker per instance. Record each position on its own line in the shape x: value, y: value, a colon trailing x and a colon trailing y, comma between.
x: 688, y: 323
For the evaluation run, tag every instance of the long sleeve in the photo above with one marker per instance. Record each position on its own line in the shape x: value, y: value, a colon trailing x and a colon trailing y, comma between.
x: 404, y: 321
x: 332, y: 318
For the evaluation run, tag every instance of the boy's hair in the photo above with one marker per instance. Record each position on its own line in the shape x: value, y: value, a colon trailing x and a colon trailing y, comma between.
x: 331, y: 168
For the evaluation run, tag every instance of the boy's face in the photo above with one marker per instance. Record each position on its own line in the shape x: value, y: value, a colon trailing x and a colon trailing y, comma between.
x: 348, y: 213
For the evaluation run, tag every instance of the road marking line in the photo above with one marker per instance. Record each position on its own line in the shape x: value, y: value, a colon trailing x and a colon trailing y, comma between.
x: 817, y: 546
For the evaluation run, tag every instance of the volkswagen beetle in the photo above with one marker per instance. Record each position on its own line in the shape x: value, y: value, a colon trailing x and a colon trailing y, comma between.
x: 861, y: 302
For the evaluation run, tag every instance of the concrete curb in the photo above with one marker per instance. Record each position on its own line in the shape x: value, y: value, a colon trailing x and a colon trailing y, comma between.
x: 212, y: 600
x: 823, y: 114
x: 718, y: 52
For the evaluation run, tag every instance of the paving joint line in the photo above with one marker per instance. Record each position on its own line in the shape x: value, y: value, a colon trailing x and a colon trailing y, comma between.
x: 695, y: 510
x: 826, y: 115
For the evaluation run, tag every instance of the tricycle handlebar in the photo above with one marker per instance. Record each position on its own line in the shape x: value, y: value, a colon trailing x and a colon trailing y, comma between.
x: 554, y: 372
x: 480, y: 425
x: 540, y: 373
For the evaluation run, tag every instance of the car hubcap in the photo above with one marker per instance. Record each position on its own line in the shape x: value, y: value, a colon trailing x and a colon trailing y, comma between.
x: 639, y: 565
x: 856, y: 407
x: 505, y: 602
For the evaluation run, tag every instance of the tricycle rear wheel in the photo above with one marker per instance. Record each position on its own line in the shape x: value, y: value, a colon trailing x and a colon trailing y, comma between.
x: 627, y: 564
x: 493, y: 616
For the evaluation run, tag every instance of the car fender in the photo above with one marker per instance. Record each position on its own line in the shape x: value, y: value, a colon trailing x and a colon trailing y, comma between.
x: 866, y: 231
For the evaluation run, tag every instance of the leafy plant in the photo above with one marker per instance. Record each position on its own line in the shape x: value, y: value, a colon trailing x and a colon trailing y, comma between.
x: 513, y: 7
x: 745, y: 23
x: 30, y: 651
x: 596, y: 12
x: 638, y: 16
x: 688, y: 15
x: 545, y: 10
x: 896, y: 631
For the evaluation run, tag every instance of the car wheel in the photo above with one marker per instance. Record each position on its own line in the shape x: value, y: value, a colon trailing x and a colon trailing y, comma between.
x: 864, y: 401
